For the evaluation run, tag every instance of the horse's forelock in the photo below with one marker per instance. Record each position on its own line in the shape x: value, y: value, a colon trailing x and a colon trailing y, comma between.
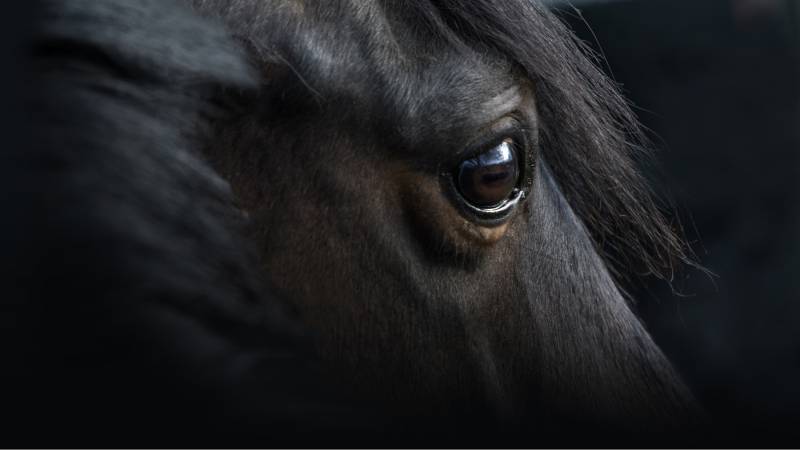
x: 590, y: 136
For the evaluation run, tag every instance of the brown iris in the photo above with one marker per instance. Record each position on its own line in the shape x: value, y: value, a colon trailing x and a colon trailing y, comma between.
x: 488, y: 179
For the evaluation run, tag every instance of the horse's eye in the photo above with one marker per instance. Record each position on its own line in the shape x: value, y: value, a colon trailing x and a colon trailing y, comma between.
x: 489, y: 179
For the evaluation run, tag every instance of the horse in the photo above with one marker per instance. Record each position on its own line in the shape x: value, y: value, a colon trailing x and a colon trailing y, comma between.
x: 282, y: 216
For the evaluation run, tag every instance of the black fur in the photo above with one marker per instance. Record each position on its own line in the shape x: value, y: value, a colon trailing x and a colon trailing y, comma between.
x: 156, y: 298
x: 134, y: 312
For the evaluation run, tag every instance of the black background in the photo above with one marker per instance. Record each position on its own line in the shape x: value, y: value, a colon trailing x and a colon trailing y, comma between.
x: 717, y: 81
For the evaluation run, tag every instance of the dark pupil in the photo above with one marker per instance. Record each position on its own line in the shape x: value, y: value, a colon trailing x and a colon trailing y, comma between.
x: 489, y: 178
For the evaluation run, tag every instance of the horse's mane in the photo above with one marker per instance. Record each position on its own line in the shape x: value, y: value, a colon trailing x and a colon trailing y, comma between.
x: 132, y: 303
x: 590, y: 137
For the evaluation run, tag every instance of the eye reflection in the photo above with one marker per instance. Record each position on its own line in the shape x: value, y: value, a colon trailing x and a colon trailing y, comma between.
x: 488, y: 179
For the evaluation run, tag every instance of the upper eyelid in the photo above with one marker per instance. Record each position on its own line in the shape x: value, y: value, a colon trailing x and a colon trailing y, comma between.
x: 507, y: 127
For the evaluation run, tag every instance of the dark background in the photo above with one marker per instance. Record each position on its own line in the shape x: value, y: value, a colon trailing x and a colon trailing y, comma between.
x: 717, y: 83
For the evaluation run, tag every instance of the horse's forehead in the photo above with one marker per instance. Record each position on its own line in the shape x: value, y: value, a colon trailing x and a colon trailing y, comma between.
x: 386, y: 59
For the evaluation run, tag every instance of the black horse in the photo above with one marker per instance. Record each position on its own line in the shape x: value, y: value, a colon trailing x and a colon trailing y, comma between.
x: 252, y: 219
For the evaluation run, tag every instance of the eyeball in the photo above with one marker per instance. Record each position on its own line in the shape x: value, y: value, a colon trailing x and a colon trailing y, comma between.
x: 489, y: 179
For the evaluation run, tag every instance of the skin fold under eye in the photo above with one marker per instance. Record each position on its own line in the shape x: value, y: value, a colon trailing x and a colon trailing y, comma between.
x: 489, y: 179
